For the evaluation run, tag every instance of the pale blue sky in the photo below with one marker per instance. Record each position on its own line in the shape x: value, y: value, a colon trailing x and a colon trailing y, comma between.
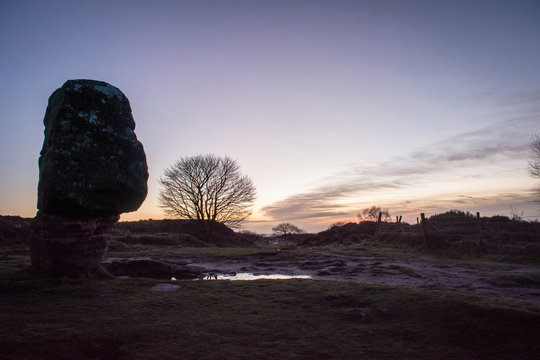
x: 329, y: 106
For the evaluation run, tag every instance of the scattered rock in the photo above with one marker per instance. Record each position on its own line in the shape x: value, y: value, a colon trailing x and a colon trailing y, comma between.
x: 194, y: 268
x: 186, y: 272
x: 358, y: 314
x: 314, y: 265
x: 323, y: 272
x: 344, y: 300
x: 381, y: 312
x: 141, y: 268
x: 263, y: 264
x: 356, y: 270
x: 337, y: 269
x: 309, y: 265
x: 165, y: 288
x: 108, y: 292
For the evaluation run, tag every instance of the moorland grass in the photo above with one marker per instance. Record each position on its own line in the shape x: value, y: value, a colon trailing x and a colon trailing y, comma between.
x: 263, y: 319
x: 396, y: 250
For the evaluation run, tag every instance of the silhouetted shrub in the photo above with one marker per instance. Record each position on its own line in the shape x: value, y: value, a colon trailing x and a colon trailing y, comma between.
x: 347, y: 234
x: 499, y: 218
x: 14, y: 230
x: 364, y: 227
x: 338, y: 224
x: 181, y: 232
x: 452, y: 215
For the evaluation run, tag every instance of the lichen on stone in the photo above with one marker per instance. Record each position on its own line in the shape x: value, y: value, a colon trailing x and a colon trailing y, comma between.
x: 97, y: 144
x: 109, y: 90
x: 66, y: 125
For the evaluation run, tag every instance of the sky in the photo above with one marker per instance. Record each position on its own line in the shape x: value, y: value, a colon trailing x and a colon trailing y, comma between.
x: 328, y: 106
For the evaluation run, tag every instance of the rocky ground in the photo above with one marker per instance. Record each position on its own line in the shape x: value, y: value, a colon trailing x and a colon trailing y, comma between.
x: 507, y: 281
x: 510, y: 281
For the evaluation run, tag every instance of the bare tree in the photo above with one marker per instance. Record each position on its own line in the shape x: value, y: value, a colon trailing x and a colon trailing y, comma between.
x: 207, y: 187
x: 286, y: 229
x: 372, y: 214
x: 534, y: 156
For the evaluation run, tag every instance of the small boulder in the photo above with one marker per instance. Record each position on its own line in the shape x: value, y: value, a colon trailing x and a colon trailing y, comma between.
x: 165, y: 288
x: 140, y: 268
x: 323, y: 272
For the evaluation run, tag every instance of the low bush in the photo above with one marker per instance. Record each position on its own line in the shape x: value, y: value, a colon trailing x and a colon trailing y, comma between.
x: 182, y: 233
x: 14, y: 230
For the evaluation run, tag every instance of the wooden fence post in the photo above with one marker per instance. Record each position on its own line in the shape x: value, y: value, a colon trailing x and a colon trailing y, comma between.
x: 423, y: 217
x: 379, y: 223
x: 478, y: 226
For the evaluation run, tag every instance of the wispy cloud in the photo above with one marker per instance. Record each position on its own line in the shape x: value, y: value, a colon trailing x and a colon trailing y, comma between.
x: 506, y: 138
x: 467, y: 152
x: 322, y: 202
x: 530, y: 98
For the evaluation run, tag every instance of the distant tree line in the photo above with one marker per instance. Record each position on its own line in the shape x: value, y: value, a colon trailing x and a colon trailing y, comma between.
x: 286, y: 229
x: 372, y: 214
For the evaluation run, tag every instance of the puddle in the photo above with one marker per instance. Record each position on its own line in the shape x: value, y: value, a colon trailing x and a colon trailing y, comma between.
x: 511, y: 282
x: 251, y: 276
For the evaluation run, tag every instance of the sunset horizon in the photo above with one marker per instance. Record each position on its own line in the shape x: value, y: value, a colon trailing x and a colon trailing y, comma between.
x: 329, y: 107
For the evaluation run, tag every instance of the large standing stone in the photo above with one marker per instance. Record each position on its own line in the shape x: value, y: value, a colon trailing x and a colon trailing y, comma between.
x: 91, y: 163
x: 62, y: 246
x: 92, y: 169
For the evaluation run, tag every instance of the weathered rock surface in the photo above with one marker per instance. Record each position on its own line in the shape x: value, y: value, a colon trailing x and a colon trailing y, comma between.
x: 92, y: 169
x: 62, y: 246
x: 91, y: 163
x: 151, y: 269
x: 141, y: 268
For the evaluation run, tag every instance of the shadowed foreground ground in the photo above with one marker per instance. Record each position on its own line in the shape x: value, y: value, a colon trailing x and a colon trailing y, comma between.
x: 275, y: 319
x: 265, y: 319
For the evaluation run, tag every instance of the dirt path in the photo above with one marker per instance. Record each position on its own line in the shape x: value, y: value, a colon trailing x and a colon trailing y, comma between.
x: 511, y: 282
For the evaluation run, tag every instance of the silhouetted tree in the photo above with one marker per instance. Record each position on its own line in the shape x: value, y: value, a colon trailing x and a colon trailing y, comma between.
x: 534, y: 156
x: 372, y: 214
x: 286, y: 229
x: 516, y: 215
x: 207, y: 187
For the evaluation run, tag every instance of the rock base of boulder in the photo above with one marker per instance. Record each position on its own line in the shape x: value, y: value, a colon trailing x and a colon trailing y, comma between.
x: 70, y: 247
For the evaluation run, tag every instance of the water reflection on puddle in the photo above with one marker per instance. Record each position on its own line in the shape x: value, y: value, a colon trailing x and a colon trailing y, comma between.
x: 250, y: 276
